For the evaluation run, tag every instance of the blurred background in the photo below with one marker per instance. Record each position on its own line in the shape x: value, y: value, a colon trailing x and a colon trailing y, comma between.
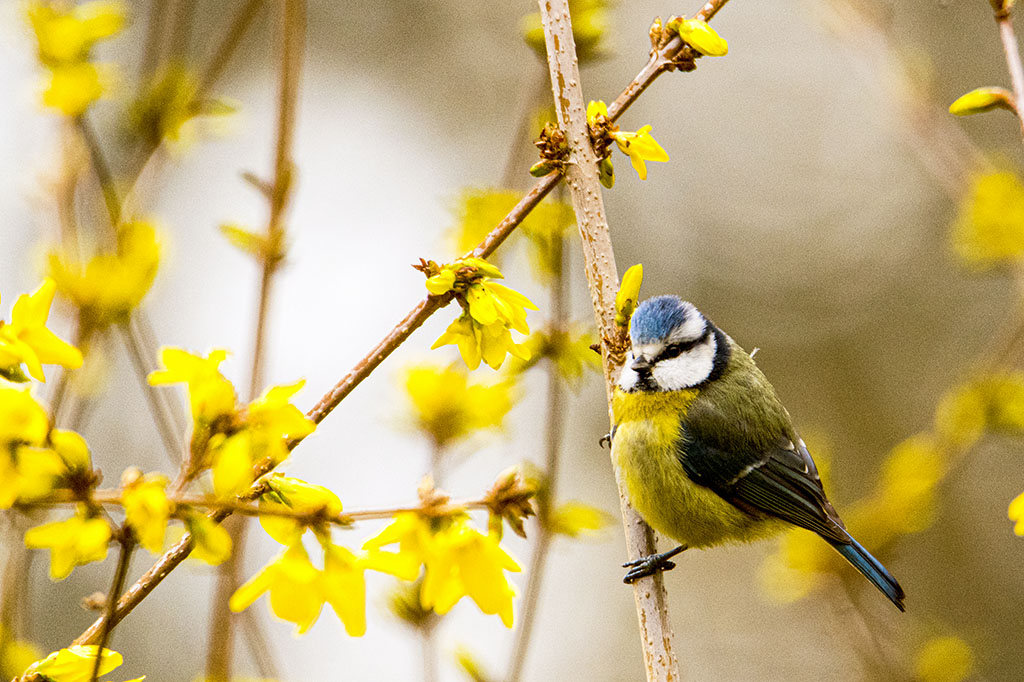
x: 807, y: 209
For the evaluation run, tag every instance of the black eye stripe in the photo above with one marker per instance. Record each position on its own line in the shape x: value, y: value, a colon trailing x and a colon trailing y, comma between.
x: 676, y: 349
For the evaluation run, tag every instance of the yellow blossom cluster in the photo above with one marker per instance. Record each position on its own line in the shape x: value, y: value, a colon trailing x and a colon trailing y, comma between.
x: 75, y: 664
x: 490, y: 311
x: 33, y: 459
x: 25, y: 340
x: 569, y: 349
x: 947, y: 658
x: 457, y: 561
x: 65, y: 36
x: 110, y: 285
x: 447, y: 406
x: 227, y: 437
x: 170, y: 105
x: 639, y: 146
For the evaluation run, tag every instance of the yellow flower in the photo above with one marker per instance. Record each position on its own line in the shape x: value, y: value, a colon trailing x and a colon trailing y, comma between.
x: 111, y: 284
x: 459, y: 561
x: 989, y: 230
x: 944, y: 659
x: 22, y: 419
x: 795, y: 569
x: 981, y: 100
x: 74, y: 664
x: 296, y: 495
x: 147, y: 510
x: 465, y: 562
x: 447, y: 407
x: 27, y: 340
x: 961, y: 416
x: 344, y: 588
x: 1005, y: 396
x: 701, y: 37
x: 74, y: 542
x: 28, y: 473
x: 639, y: 147
x: 413, y: 535
x: 1016, y: 514
x: 296, y: 590
x: 629, y: 294
x: 210, y: 394
x: 72, y: 448
x: 211, y: 542
x: 570, y: 351
x: 65, y: 38
x: 232, y: 464
x: 576, y: 518
x: 67, y: 35
x: 908, y: 483
x: 273, y: 421
x: 490, y: 310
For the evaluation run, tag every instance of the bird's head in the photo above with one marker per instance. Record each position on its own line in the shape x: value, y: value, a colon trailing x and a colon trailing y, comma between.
x: 673, y: 347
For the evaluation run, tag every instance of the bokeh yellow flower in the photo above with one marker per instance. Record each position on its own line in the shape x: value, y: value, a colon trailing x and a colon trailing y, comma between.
x: 26, y: 339
x: 989, y: 230
x: 574, y: 519
x: 28, y: 473
x: 148, y: 510
x: 1016, y: 514
x: 210, y: 394
x: 294, y: 584
x: 944, y: 659
x: 590, y: 23
x: 111, y: 284
x: 447, y: 407
x: 22, y: 419
x: 65, y: 37
x: 74, y: 542
x: 211, y: 542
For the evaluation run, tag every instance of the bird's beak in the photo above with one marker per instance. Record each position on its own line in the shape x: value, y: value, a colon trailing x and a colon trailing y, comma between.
x: 641, y: 364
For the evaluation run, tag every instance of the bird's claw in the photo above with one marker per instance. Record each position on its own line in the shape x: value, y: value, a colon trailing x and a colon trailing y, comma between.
x: 606, y: 441
x: 649, y: 565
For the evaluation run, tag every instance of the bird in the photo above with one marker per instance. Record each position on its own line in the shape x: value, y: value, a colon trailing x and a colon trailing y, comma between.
x: 706, y: 450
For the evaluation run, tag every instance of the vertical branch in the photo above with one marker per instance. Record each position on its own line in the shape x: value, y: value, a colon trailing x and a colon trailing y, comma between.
x: 1004, y: 20
x: 546, y: 495
x: 292, y: 33
x: 171, y: 438
x: 582, y: 177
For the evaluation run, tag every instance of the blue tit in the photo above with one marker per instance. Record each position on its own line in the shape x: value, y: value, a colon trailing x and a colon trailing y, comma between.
x: 707, y: 452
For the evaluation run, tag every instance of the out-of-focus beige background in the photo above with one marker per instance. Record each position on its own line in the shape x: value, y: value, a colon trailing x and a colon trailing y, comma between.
x: 799, y: 211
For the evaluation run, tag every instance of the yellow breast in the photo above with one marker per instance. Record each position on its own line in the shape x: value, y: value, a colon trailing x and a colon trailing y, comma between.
x: 647, y: 431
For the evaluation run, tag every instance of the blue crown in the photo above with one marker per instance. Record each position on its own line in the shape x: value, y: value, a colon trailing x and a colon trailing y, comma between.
x: 656, y: 317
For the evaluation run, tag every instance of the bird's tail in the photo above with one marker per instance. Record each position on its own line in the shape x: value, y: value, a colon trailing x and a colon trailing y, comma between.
x: 872, y: 569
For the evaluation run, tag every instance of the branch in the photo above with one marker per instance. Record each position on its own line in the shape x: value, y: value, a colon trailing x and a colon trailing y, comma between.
x: 1004, y: 19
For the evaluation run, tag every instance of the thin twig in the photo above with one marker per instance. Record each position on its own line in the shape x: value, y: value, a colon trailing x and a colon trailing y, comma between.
x: 171, y: 438
x: 1004, y: 19
x: 102, y: 169
x: 120, y: 575
x: 554, y: 425
x: 416, y: 317
x: 226, y: 48
x: 219, y: 659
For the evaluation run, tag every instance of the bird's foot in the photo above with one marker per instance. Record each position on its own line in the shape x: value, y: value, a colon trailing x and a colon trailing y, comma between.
x: 649, y: 565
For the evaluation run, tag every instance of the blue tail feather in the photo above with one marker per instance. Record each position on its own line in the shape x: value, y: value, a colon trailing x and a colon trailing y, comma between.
x: 872, y: 569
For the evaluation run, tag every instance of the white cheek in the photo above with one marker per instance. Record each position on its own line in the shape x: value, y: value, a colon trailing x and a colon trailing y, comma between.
x: 689, y: 369
x: 628, y: 378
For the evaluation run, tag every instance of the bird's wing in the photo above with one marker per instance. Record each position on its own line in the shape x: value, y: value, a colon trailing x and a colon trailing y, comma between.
x: 757, y: 469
